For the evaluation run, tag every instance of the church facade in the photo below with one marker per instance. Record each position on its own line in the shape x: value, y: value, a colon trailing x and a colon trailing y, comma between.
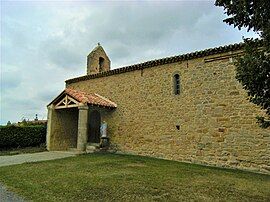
x: 188, y: 108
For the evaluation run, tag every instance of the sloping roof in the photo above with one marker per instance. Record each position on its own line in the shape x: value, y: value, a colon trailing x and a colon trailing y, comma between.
x: 86, y: 98
x: 90, y: 98
x: 162, y: 61
x: 98, y: 47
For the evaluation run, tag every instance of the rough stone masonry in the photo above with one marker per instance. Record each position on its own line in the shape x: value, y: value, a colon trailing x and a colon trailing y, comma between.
x: 210, y: 122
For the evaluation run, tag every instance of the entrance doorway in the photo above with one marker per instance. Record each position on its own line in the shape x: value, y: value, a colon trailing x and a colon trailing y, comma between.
x: 94, y: 127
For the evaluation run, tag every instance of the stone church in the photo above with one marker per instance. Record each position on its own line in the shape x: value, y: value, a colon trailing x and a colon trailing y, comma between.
x: 187, y: 107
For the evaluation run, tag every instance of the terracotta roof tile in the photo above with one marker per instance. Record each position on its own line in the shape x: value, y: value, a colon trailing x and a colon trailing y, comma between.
x: 90, y: 98
x: 85, y: 98
x: 166, y: 60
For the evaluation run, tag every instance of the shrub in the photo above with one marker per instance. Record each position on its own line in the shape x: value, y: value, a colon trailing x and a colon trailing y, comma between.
x: 22, y: 136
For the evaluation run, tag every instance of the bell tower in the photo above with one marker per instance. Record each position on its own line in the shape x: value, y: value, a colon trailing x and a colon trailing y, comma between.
x: 98, y: 61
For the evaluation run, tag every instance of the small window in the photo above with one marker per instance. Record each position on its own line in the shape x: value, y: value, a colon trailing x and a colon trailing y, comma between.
x: 176, y: 82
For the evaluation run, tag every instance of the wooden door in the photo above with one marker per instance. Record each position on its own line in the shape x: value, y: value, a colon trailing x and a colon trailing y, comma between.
x: 94, y: 127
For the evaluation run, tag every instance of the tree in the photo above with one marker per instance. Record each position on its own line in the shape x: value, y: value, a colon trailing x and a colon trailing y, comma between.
x: 253, y: 69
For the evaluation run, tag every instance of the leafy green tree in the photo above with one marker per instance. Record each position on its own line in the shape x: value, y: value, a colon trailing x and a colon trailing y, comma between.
x: 253, y: 69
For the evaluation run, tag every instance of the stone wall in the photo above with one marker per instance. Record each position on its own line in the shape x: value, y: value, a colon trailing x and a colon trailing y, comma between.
x: 217, y: 124
x: 64, y: 126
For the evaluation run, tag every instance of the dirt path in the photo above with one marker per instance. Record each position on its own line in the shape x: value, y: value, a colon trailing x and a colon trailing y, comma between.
x: 33, y: 157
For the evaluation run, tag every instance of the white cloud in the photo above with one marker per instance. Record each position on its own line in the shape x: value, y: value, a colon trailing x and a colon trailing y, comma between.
x: 45, y: 43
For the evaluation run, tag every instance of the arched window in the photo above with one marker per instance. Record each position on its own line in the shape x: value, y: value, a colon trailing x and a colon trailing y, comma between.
x: 176, y: 84
x: 101, y: 63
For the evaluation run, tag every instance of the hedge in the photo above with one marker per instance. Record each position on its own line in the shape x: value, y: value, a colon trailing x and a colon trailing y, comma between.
x: 22, y: 136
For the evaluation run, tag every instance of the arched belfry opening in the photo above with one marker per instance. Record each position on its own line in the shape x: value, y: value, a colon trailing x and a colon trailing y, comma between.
x: 101, y: 63
x: 98, y: 61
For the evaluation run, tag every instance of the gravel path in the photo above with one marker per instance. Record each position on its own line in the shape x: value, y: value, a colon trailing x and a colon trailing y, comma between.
x: 7, y: 196
x: 33, y: 157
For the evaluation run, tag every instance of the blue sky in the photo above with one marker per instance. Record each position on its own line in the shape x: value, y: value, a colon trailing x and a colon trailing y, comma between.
x: 43, y: 43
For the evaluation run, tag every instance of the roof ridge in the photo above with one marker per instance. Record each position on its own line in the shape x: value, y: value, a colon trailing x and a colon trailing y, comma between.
x: 165, y: 60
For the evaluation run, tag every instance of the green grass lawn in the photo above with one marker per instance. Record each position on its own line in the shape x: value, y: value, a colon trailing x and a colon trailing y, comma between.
x: 115, y: 177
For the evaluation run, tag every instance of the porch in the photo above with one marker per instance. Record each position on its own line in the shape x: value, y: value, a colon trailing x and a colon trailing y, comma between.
x: 74, y: 120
